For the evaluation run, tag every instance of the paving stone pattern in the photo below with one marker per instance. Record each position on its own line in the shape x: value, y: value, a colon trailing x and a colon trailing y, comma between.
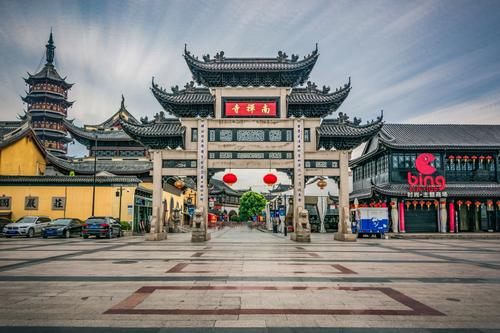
x: 250, y: 280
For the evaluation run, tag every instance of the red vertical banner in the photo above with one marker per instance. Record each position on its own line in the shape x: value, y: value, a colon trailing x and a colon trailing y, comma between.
x: 452, y: 217
x: 250, y: 109
x: 401, y: 217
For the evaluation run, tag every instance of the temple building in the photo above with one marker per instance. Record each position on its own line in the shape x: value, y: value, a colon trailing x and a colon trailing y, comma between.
x: 47, y: 104
x: 107, y: 139
x: 252, y: 113
x: 432, y: 177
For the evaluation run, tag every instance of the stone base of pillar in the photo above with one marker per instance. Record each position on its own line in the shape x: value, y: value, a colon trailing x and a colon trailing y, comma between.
x: 345, y: 237
x: 157, y: 236
x: 198, y: 236
x: 303, y: 236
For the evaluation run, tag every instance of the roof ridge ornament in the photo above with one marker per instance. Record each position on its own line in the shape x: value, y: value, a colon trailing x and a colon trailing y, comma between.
x: 311, y: 86
x: 282, y: 56
x: 122, y: 104
x: 189, y: 87
x: 219, y: 56
x: 49, y: 49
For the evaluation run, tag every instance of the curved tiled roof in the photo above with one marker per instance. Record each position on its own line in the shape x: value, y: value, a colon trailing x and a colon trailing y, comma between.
x: 279, y: 71
x: 312, y: 102
x: 159, y: 134
x: 189, y: 102
x: 447, y: 136
x: 61, y: 180
x: 345, y: 135
x: 86, y: 167
x: 110, y: 135
x: 121, y: 113
x: 36, y: 97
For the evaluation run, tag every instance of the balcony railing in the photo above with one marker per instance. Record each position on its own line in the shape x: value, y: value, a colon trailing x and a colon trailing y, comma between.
x: 48, y: 107
x: 44, y: 87
x: 50, y: 126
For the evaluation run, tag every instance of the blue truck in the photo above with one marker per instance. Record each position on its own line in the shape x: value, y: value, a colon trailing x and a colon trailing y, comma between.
x: 370, y: 221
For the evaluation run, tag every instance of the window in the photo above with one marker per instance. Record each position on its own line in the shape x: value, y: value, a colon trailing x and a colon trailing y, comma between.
x: 194, y: 134
x: 307, y: 135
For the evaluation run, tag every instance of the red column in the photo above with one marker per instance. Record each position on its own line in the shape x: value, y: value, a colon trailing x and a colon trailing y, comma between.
x: 401, y: 217
x: 452, y: 217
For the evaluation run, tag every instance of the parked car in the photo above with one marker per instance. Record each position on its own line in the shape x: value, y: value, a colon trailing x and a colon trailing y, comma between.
x: 28, y: 226
x: 64, y: 227
x: 101, y: 226
x: 3, y: 222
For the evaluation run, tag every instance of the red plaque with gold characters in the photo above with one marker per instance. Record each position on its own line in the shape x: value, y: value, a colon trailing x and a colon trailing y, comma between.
x: 250, y: 109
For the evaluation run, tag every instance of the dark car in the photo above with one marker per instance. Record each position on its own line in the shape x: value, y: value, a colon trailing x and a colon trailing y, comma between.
x: 104, y: 226
x: 65, y: 227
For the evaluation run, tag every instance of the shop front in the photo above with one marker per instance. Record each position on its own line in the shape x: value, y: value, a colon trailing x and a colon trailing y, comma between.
x: 432, y: 178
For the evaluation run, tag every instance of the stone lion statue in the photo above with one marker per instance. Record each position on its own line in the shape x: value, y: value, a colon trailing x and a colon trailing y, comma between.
x: 198, y: 219
x: 303, y: 218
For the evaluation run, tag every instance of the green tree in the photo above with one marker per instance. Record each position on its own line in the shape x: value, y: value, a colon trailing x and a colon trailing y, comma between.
x: 251, y: 204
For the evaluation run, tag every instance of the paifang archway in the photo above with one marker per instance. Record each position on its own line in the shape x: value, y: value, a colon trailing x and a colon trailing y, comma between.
x: 249, y: 111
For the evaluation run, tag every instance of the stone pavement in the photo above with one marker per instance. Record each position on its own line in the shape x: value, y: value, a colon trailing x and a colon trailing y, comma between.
x: 250, y: 280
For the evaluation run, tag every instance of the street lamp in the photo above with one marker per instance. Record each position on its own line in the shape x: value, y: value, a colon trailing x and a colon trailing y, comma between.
x: 95, y: 172
x: 120, y: 193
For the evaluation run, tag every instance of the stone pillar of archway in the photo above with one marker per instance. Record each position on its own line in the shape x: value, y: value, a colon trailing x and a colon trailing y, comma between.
x: 302, y: 228
x: 157, y: 232
x: 199, y: 230
x: 344, y: 232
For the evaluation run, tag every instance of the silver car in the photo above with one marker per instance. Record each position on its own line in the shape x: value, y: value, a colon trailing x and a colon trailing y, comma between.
x: 28, y: 226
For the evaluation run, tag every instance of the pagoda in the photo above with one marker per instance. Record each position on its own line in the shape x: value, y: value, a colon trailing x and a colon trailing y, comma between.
x: 47, y: 104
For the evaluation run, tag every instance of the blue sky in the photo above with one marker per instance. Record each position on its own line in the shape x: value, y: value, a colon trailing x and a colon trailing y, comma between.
x: 420, y: 61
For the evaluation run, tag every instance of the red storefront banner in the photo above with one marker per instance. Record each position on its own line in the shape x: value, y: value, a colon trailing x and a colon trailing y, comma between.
x: 251, y: 109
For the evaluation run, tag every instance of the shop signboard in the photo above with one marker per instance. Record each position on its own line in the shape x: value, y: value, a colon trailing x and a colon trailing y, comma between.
x: 425, y: 179
x: 250, y: 108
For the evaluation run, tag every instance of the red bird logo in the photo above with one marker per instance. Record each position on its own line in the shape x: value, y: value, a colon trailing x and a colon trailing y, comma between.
x: 422, y: 163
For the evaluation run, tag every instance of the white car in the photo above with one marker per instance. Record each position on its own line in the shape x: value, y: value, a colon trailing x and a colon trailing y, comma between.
x: 28, y: 226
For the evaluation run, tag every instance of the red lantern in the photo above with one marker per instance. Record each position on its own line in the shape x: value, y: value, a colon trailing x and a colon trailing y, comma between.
x: 459, y: 203
x: 421, y: 202
x: 477, y: 203
x: 466, y: 158
x: 468, y: 203
x: 498, y: 204
x: 451, y: 158
x: 270, y: 179
x: 407, y: 203
x: 383, y: 205
x: 436, y: 203
x: 481, y: 158
x: 230, y: 178
x: 473, y: 157
x: 428, y: 204
x: 179, y: 184
x: 458, y: 157
x: 489, y: 202
x: 489, y: 158
x: 321, y: 183
x: 414, y: 202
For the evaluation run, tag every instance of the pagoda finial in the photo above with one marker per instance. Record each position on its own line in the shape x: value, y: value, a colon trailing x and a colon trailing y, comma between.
x: 122, y: 105
x: 49, y: 53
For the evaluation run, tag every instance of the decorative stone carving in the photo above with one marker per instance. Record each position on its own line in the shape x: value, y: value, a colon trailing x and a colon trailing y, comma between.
x: 303, y: 228
x: 199, y: 229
